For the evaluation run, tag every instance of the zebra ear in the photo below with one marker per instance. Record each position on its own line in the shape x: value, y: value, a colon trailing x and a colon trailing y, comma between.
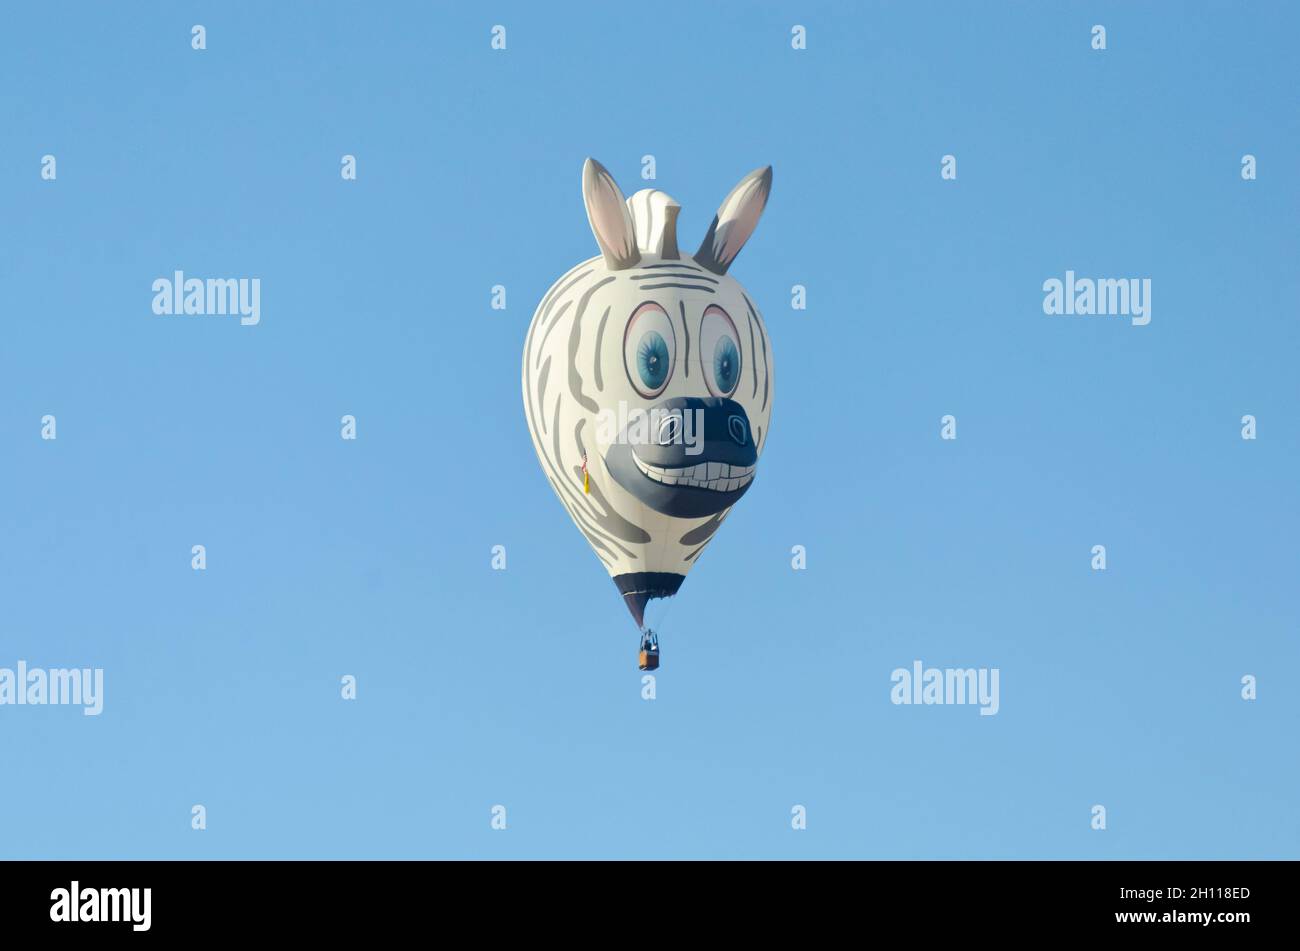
x: 611, y: 222
x: 735, y: 221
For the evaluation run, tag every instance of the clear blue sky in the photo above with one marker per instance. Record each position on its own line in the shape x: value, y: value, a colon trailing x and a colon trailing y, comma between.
x: 372, y: 557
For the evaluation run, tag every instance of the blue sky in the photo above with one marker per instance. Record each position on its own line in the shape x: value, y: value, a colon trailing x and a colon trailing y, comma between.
x: 519, y: 687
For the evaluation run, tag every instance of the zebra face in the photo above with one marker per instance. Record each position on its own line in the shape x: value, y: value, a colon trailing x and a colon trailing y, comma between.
x: 683, y: 425
x: 648, y: 380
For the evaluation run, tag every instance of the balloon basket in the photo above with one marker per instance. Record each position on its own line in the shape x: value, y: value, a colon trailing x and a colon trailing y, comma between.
x: 649, y: 656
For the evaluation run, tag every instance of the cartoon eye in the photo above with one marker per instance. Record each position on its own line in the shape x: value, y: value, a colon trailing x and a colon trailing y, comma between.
x: 649, y: 349
x: 719, y: 351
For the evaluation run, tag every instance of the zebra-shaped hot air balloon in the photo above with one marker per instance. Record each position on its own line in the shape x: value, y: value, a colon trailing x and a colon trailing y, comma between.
x: 647, y: 383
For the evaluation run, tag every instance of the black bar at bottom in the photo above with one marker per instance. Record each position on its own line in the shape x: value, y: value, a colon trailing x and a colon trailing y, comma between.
x: 1219, y: 900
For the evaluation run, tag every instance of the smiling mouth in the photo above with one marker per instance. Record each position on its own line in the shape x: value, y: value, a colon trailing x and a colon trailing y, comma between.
x: 688, y: 473
x: 715, y: 476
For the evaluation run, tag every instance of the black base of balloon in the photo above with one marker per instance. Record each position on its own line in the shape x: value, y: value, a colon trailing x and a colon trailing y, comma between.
x: 639, y: 587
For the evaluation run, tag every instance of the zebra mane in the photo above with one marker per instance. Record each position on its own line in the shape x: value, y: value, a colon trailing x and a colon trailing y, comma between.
x: 654, y: 219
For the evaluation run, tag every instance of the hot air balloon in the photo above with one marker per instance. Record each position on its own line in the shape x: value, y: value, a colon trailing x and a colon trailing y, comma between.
x: 648, y: 385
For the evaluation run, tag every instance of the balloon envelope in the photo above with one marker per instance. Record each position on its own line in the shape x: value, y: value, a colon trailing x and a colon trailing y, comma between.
x: 648, y: 385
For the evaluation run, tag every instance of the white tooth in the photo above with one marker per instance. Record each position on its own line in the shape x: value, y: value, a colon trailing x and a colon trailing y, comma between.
x: 731, y: 485
x: 715, y: 470
x: 668, y: 480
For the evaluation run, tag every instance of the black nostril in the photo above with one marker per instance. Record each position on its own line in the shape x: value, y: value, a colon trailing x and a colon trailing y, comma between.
x: 669, y: 428
x: 738, y: 429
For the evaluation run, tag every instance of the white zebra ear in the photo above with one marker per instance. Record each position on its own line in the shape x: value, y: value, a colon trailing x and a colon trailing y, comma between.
x: 611, y: 222
x: 735, y: 221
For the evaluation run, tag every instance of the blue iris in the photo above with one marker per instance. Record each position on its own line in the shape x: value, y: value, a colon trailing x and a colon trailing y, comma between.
x: 726, y: 365
x: 652, y: 360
